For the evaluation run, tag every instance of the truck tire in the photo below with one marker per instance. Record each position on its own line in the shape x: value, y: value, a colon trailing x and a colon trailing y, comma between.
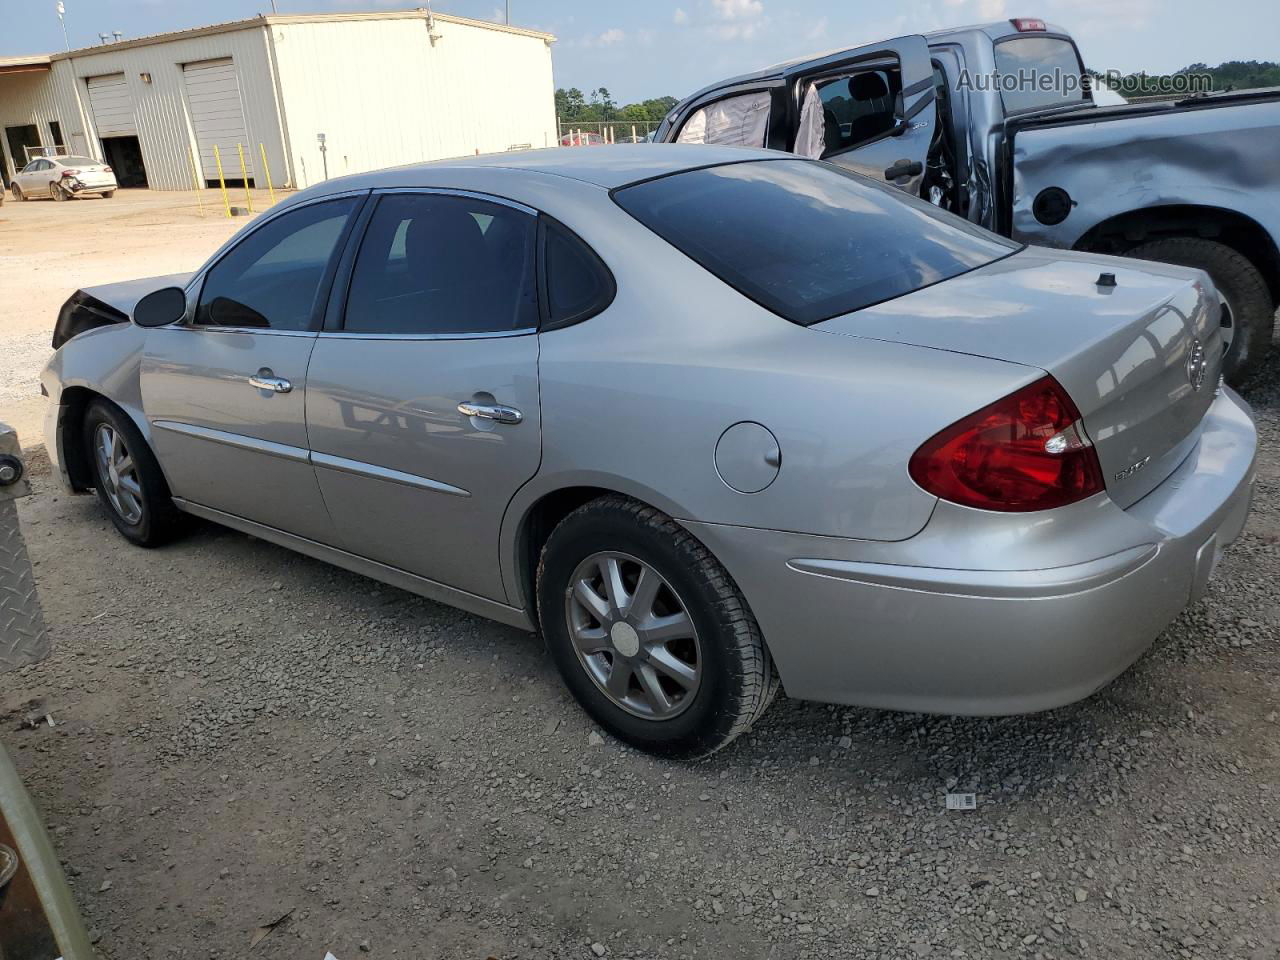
x: 603, y: 552
x: 1247, y: 308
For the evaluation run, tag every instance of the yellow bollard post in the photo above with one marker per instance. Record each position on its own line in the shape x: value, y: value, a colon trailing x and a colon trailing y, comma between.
x: 222, y: 180
x: 195, y: 181
x: 267, y: 170
x: 244, y: 177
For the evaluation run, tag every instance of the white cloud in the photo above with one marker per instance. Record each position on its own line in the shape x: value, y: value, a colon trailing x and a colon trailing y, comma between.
x: 738, y: 9
x: 680, y: 16
x: 609, y: 38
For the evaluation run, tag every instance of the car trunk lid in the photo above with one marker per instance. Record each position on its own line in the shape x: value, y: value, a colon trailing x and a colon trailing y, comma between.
x: 1140, y: 358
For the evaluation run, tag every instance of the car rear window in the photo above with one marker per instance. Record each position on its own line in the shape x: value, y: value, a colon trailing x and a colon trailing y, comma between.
x: 1037, y: 73
x: 76, y: 161
x: 808, y: 240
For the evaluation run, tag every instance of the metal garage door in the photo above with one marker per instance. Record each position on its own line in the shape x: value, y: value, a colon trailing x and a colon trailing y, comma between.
x: 213, y: 94
x: 112, y: 107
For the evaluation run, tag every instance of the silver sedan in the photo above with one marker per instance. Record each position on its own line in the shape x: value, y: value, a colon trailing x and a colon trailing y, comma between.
x: 710, y: 420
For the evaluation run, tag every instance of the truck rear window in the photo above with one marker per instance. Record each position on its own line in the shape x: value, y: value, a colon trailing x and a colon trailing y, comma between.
x: 1038, y: 72
x: 808, y: 240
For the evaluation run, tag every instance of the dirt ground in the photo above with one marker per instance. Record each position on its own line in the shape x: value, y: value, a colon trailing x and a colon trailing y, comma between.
x: 48, y: 250
x: 244, y: 735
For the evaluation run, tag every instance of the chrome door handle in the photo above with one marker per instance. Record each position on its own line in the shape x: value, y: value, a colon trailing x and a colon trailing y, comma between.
x: 264, y: 379
x: 490, y: 411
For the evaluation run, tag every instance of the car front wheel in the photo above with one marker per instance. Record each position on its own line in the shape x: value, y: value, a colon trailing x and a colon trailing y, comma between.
x: 127, y: 477
x: 649, y: 631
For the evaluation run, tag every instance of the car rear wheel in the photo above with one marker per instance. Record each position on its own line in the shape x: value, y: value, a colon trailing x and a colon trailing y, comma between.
x: 649, y: 631
x: 108, y: 194
x: 127, y: 477
x: 17, y: 192
x: 1248, y: 315
x: 56, y: 192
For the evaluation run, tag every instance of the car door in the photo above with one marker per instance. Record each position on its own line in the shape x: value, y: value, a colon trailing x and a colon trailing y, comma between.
x: 871, y: 110
x: 422, y: 396
x: 34, y: 178
x: 224, y: 390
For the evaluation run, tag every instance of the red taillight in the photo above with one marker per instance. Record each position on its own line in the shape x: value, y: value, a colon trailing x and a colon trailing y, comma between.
x: 70, y: 173
x: 1028, y: 25
x: 106, y: 169
x: 1027, y: 451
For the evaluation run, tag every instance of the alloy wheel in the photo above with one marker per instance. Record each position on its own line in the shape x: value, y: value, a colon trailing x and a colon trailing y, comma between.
x: 1228, y: 323
x: 118, y: 474
x: 633, y: 635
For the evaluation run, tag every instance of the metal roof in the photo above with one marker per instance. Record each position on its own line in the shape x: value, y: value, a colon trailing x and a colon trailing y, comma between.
x: 263, y: 20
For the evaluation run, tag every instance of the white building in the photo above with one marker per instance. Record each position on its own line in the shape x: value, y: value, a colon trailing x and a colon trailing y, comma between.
x: 381, y: 88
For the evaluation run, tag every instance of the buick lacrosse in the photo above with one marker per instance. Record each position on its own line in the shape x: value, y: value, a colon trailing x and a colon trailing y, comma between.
x: 710, y: 420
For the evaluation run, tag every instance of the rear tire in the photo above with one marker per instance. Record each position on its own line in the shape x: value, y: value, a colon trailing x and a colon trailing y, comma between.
x: 685, y: 693
x: 1244, y: 291
x: 108, y: 194
x: 17, y: 192
x: 57, y: 193
x: 127, y: 477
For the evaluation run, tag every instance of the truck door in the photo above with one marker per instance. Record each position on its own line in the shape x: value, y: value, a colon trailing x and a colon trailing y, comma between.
x: 871, y: 110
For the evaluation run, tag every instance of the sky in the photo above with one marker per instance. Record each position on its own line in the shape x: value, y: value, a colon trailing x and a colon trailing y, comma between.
x: 650, y: 48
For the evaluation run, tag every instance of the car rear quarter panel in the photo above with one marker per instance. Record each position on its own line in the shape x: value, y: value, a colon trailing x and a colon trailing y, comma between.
x: 636, y: 399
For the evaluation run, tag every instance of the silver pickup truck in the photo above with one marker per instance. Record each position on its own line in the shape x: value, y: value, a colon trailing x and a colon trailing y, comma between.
x: 997, y: 124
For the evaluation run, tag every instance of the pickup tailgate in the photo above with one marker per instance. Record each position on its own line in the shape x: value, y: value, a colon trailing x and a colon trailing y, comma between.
x: 1130, y: 355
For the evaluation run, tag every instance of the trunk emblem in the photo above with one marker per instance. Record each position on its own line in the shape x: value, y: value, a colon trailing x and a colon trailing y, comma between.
x: 1197, y: 367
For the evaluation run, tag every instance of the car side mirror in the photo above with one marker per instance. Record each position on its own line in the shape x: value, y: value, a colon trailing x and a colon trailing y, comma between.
x: 161, y: 307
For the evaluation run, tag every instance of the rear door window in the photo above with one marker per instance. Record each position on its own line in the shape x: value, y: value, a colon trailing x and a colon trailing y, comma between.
x: 441, y: 264
x: 808, y: 240
x: 739, y: 121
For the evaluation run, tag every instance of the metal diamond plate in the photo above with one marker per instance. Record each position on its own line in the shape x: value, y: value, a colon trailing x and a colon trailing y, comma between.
x: 23, y: 637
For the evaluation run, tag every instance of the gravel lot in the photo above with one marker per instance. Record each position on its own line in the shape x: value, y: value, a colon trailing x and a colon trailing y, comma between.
x: 243, y: 733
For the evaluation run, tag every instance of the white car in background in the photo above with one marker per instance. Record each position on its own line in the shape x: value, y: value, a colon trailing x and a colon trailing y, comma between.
x: 62, y: 177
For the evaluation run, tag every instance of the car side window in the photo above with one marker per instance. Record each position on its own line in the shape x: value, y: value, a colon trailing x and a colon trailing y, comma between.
x: 579, y: 285
x: 859, y: 108
x: 272, y: 279
x: 740, y: 121
x: 444, y: 264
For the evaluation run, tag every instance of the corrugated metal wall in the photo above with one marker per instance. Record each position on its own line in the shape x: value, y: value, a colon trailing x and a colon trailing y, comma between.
x: 384, y: 95
x: 27, y: 98
x: 162, y: 113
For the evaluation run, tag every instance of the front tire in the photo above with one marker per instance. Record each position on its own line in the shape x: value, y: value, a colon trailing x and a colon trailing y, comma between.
x: 127, y: 477
x: 108, y: 194
x: 1248, y: 313
x: 649, y: 631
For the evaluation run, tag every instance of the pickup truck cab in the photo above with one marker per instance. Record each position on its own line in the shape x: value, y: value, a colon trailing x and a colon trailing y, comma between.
x: 997, y: 124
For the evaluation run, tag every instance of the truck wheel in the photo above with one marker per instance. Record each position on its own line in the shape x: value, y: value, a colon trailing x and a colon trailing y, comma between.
x: 649, y: 632
x: 1248, y: 315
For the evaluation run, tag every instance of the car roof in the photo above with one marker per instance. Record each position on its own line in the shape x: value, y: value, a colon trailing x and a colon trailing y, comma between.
x: 999, y: 30
x: 601, y: 166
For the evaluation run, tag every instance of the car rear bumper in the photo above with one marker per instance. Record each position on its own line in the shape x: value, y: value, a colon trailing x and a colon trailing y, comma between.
x: 918, y: 625
x: 93, y: 185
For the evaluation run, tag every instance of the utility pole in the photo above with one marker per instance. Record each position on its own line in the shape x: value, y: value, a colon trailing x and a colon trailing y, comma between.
x: 62, y: 10
x: 508, y: 13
